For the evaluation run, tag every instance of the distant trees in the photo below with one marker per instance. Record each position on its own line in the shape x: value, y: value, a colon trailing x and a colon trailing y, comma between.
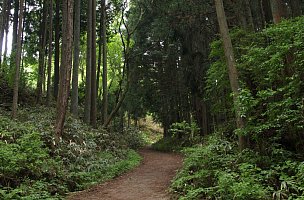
x: 172, y: 58
x: 164, y: 56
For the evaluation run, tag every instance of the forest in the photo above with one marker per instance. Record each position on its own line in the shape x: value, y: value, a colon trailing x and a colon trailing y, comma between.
x: 87, y: 88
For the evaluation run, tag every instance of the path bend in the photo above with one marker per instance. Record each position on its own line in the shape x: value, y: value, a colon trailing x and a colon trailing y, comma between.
x: 149, y: 181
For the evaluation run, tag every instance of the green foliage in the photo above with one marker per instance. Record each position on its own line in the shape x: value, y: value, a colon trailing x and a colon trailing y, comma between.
x: 33, y: 166
x: 182, y: 134
x: 270, y: 66
x: 187, y: 134
x: 217, y: 170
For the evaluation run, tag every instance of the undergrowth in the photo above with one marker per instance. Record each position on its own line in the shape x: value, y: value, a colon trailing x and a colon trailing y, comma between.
x: 181, y: 135
x: 216, y: 170
x: 33, y: 166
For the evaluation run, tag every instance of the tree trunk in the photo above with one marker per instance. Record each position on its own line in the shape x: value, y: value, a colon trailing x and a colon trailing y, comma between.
x: 42, y: 43
x: 57, y: 48
x: 6, y: 34
x: 3, y: 19
x: 87, y: 106
x: 250, y: 24
x: 117, y: 107
x: 233, y: 74
x: 18, y: 60
x: 49, y: 70
x: 279, y: 10
x: 15, y: 25
x: 74, y: 99
x: 99, y: 53
x: 105, y: 68
x: 296, y: 8
x: 66, y: 66
x: 93, y: 63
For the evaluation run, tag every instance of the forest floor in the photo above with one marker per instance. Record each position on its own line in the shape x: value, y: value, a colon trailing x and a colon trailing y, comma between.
x: 149, y: 181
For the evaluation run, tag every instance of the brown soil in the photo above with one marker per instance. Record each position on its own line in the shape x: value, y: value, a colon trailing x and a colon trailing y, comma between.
x: 149, y: 181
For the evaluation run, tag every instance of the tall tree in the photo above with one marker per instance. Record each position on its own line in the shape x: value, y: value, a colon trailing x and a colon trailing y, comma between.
x: 66, y: 65
x: 74, y: 97
x: 49, y: 69
x: 105, y: 68
x: 93, y: 64
x: 18, y: 61
x: 6, y: 28
x: 3, y: 21
x: 57, y: 48
x: 233, y: 73
x: 87, y: 106
x: 42, y: 44
x: 15, y: 25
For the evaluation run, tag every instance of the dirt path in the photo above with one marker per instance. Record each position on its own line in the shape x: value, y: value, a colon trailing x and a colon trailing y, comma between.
x: 149, y: 181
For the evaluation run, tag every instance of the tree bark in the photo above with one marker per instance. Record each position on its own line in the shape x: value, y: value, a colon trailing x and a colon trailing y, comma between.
x: 99, y: 52
x: 3, y: 21
x: 105, y: 68
x: 18, y: 60
x: 57, y: 49
x: 66, y: 66
x: 249, y: 17
x: 87, y: 106
x: 93, y: 63
x: 74, y: 98
x: 233, y: 73
x: 42, y: 44
x: 279, y: 10
x: 296, y: 8
x: 49, y: 70
x: 15, y: 25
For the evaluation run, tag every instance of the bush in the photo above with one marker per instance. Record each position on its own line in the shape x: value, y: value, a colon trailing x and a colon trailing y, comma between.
x: 182, y: 134
x: 32, y: 166
x: 217, y: 170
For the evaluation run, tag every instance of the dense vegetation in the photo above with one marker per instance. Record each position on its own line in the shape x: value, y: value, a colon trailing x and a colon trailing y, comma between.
x: 32, y: 168
x: 224, y: 79
x: 271, y: 67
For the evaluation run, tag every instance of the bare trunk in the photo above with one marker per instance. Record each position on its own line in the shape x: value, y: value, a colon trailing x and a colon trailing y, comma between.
x: 6, y: 26
x: 233, y: 74
x: 87, y: 106
x: 15, y: 25
x: 49, y: 70
x: 105, y: 68
x: 74, y: 98
x: 99, y: 55
x: 93, y: 63
x: 57, y: 49
x: 279, y: 10
x: 18, y: 60
x: 3, y: 19
x: 249, y: 17
x: 42, y: 43
x: 66, y: 65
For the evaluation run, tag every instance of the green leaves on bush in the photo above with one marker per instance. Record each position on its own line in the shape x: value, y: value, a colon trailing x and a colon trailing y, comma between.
x: 217, y: 170
x: 31, y: 167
